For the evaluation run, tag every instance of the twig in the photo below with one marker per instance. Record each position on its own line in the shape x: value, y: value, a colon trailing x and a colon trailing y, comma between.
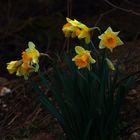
x: 69, y: 13
x: 132, y: 3
x: 44, y: 54
x: 17, y: 115
x: 33, y: 115
x: 103, y: 14
x: 122, y: 9
x: 69, y: 8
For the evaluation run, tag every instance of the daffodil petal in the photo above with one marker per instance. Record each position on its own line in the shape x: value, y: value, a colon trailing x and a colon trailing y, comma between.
x: 109, y: 29
x: 101, y: 46
x: 36, y: 68
x: 88, y: 39
x: 82, y: 26
x: 101, y: 36
x: 31, y: 45
x: 79, y: 50
x: 92, y: 60
x: 71, y: 28
x: 119, y: 41
x: 68, y: 19
x: 116, y: 33
x: 83, y: 34
x: 74, y: 58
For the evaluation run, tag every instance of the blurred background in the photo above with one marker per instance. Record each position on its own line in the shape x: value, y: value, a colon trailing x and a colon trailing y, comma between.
x: 41, y: 21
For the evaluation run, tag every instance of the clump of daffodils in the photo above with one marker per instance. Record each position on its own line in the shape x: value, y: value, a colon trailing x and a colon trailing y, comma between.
x: 74, y: 28
x: 83, y: 59
x: 109, y: 39
x: 28, y: 64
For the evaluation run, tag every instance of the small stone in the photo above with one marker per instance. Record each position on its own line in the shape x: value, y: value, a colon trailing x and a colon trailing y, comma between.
x: 4, y: 105
x: 135, y: 136
x: 134, y: 91
x: 4, y: 91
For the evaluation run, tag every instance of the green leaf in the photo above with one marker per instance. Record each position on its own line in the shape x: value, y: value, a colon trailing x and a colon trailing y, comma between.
x: 88, y: 129
x: 47, y: 103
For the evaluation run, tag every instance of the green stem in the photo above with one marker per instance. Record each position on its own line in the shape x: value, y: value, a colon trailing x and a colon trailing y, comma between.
x: 94, y: 48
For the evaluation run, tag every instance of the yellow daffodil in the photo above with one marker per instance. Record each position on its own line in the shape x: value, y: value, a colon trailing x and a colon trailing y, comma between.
x: 83, y: 58
x: 75, y: 28
x: 13, y: 66
x: 30, y: 59
x: 83, y: 32
x: 109, y: 39
x: 28, y: 63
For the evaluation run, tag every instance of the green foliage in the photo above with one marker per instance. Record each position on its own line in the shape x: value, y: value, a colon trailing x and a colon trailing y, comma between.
x: 88, y: 102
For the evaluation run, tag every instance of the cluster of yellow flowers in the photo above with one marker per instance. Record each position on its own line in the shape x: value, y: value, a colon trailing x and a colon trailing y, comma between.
x: 109, y: 39
x: 75, y: 28
x: 83, y: 59
x: 28, y: 63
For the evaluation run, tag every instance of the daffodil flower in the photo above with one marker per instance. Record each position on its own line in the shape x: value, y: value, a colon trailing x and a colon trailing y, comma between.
x: 74, y: 28
x: 83, y: 59
x: 28, y: 63
x: 83, y: 32
x: 109, y: 39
